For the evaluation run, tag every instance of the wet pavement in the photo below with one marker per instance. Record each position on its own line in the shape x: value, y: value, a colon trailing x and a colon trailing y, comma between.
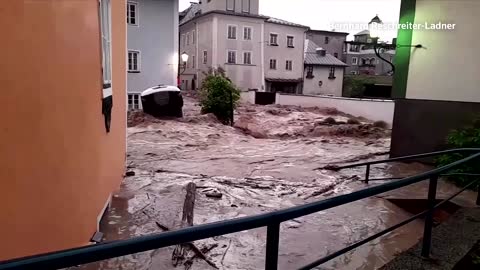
x: 257, y: 175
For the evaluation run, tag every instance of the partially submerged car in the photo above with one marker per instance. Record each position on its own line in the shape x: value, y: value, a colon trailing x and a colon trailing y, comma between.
x: 163, y: 100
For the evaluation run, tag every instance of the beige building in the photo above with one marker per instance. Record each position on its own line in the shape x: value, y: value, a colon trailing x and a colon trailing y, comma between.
x: 436, y: 89
x: 323, y: 72
x: 257, y: 52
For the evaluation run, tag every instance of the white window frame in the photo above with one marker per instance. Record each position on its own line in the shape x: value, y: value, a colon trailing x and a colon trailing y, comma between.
x: 354, y: 61
x: 228, y: 31
x: 105, y: 13
x: 133, y: 97
x: 293, y: 41
x: 275, y: 64
x: 226, y: 6
x: 205, y: 57
x: 132, y: 3
x: 251, y: 58
x: 138, y: 53
x: 287, y: 66
x: 244, y: 10
x: 251, y: 32
x: 276, y: 39
x: 228, y: 52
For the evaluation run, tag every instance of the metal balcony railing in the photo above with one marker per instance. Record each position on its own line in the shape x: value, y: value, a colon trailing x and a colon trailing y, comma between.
x: 103, y: 251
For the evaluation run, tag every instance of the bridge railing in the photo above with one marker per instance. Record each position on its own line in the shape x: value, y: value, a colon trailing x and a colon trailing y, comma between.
x: 272, y: 220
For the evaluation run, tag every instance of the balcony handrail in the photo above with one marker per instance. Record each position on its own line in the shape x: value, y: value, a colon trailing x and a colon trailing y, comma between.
x: 272, y: 220
x: 416, y: 156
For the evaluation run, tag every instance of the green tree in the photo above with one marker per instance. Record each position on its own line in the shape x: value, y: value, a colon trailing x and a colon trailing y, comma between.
x: 467, y: 137
x: 219, y: 95
x: 354, y: 86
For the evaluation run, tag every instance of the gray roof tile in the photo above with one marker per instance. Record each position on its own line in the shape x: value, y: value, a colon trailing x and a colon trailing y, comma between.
x: 314, y: 58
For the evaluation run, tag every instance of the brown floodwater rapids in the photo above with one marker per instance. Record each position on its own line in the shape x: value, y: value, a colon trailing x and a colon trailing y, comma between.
x: 258, y: 175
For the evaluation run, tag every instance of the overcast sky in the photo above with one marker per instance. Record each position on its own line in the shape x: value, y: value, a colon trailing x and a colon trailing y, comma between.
x: 321, y: 14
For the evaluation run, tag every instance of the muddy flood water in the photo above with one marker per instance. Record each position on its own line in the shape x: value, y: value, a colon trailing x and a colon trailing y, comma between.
x: 271, y: 159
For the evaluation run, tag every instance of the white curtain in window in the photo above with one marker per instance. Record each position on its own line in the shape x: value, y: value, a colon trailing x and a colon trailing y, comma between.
x: 105, y: 21
x: 231, y: 5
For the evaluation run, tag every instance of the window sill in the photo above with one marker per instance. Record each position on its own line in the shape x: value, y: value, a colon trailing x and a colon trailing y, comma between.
x: 276, y: 45
x: 235, y: 64
x: 291, y: 46
x: 231, y: 38
x: 134, y: 71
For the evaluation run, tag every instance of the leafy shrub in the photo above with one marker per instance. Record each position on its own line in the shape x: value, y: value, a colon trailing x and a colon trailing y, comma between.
x: 354, y: 86
x: 218, y: 94
x: 468, y: 137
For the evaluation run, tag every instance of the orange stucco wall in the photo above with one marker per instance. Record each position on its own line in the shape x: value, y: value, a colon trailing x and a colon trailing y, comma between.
x: 58, y: 164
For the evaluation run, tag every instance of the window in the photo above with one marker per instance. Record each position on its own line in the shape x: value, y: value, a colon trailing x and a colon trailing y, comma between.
x: 327, y: 40
x: 232, y: 57
x: 247, y: 58
x: 309, y: 72
x: 232, y: 32
x: 133, y: 101
x: 373, y: 61
x: 184, y: 40
x: 290, y: 41
x: 193, y: 37
x: 205, y: 57
x: 132, y: 13
x: 246, y: 6
x: 133, y: 61
x: 273, y: 40
x: 354, y: 61
x: 193, y: 61
x: 273, y: 64
x: 106, y: 45
x: 288, y: 65
x: 188, y: 38
x: 336, y: 55
x: 331, y: 75
x: 230, y: 5
x: 247, y: 33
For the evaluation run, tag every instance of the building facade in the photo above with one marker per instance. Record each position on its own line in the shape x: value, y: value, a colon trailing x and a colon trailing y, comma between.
x: 256, y: 52
x: 152, y: 46
x: 436, y: 90
x: 65, y: 143
x: 323, y: 72
x: 332, y: 42
x: 362, y: 60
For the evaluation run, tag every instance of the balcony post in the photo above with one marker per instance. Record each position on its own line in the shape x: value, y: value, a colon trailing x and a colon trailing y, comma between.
x: 271, y: 260
x: 427, y: 232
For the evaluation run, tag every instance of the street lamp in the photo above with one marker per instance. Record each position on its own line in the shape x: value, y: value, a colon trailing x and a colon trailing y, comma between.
x: 184, y: 57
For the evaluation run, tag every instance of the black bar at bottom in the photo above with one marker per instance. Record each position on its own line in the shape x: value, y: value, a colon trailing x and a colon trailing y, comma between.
x: 273, y: 233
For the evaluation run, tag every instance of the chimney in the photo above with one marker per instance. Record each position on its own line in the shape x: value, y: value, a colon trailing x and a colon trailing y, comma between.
x: 321, y: 51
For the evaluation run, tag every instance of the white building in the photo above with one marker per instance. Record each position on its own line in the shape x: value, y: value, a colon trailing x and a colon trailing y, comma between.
x: 152, y: 42
x: 257, y: 52
x: 323, y: 72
